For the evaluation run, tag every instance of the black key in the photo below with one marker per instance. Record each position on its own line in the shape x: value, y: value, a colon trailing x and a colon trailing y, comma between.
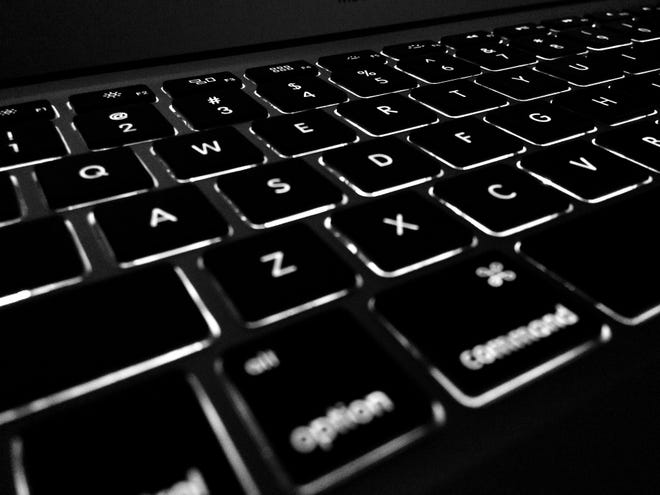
x: 286, y: 70
x: 459, y: 98
x: 386, y: 114
x: 638, y: 59
x: 549, y: 46
x: 606, y: 255
x: 437, y: 68
x: 137, y: 316
x: 379, y: 166
x: 122, y: 125
x: 501, y: 325
x: 501, y: 200
x: 469, y: 39
x: 495, y: 57
x: 353, y: 60
x: 523, y: 84
x: 91, y: 177
x: 160, y: 223
x: 10, y: 208
x: 201, y: 154
x: 30, y: 110
x: 115, y: 97
x: 584, y: 171
x: 28, y: 142
x: 567, y: 22
x: 597, y: 38
x: 218, y: 81
x: 351, y: 410
x: 36, y: 255
x: 583, y: 71
x: 159, y: 419
x: 402, y: 232
x: 604, y: 105
x: 513, y: 32
x: 645, y: 87
x: 639, y: 142
x: 373, y: 80
x: 280, y: 192
x: 303, y: 133
x: 289, y: 95
x: 414, y: 49
x: 271, y: 275
x: 636, y: 31
x: 540, y: 122
x: 204, y: 110
x: 467, y: 143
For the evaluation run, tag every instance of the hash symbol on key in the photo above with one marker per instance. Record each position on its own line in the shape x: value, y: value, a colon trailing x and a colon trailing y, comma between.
x: 496, y: 274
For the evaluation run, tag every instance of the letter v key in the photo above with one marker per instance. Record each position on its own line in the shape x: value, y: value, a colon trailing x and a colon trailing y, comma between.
x: 584, y: 163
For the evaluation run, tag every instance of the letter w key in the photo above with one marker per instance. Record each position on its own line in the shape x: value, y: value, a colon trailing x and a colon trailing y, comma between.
x: 202, y: 154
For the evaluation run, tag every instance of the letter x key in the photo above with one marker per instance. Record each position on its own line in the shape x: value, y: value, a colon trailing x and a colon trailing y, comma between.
x: 400, y: 225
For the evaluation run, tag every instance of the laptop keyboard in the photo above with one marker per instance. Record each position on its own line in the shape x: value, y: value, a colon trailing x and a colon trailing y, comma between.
x: 335, y: 212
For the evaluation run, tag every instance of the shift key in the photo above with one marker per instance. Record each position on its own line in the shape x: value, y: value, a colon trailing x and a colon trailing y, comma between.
x: 76, y: 338
x: 326, y: 397
x: 489, y: 325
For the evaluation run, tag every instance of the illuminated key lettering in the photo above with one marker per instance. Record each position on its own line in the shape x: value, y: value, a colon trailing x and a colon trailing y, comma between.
x: 302, y: 127
x: 381, y: 159
x: 93, y: 172
x: 159, y: 216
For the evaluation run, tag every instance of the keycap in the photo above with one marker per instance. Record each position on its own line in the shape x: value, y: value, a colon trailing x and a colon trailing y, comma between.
x: 637, y: 59
x: 467, y: 143
x: 373, y: 80
x: 597, y: 38
x: 501, y: 325
x: 159, y: 223
x: 549, y: 46
x: 132, y: 324
x: 386, y: 115
x: 569, y: 22
x: 501, y: 200
x: 604, y: 105
x: 379, y: 166
x: 205, y: 153
x: 582, y: 71
x: 436, y: 69
x: 122, y: 125
x: 350, y: 411
x: 646, y: 87
x: 458, y: 98
x: 540, y: 122
x: 152, y: 437
x: 401, y: 232
x: 216, y: 81
x: 495, y: 57
x: 291, y: 96
x: 584, y: 171
x: 278, y: 273
x: 414, y: 48
x: 281, y: 192
x: 295, y: 68
x: 639, y: 142
x: 605, y: 255
x: 39, y: 254
x: 30, y: 110
x: 28, y: 142
x: 352, y: 60
x: 91, y: 177
x: 10, y: 209
x: 523, y: 84
x: 114, y: 97
x: 303, y: 133
x: 468, y: 39
x: 636, y: 31
x: 208, y: 109
x: 512, y: 32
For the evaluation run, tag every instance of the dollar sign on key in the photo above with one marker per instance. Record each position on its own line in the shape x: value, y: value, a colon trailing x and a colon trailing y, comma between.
x: 295, y: 86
